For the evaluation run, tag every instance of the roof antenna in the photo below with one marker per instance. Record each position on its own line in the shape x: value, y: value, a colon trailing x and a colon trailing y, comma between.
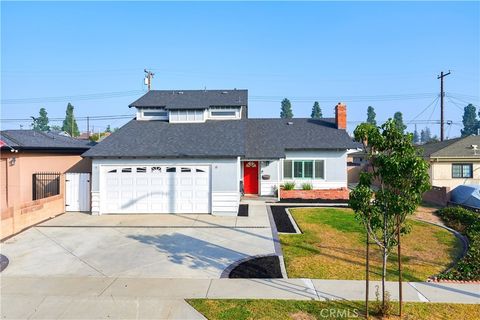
x: 205, y: 88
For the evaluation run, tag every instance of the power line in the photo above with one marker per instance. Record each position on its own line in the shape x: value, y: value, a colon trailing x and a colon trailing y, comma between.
x: 421, y: 112
x: 83, y: 118
x: 91, y: 96
x: 455, y: 104
x: 461, y: 100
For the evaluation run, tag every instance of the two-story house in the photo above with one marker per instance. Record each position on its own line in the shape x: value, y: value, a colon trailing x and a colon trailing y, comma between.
x: 197, y: 151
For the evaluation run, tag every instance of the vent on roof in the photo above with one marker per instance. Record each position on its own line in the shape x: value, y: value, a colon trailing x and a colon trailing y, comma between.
x: 180, y: 92
x: 290, y: 123
x: 224, y: 92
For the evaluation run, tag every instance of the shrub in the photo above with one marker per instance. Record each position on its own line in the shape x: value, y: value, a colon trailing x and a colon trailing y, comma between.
x: 467, y: 223
x: 307, y: 186
x: 382, y: 309
x: 289, y: 185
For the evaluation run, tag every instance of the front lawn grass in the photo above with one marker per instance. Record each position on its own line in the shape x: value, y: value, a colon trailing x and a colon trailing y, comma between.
x: 332, y: 246
x: 306, y: 310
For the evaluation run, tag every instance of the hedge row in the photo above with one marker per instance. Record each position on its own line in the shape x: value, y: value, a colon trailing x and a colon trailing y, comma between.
x: 467, y: 223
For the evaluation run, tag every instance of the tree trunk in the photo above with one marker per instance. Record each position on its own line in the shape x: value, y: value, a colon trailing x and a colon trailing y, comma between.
x: 399, y: 257
x: 367, y: 275
x: 384, y: 265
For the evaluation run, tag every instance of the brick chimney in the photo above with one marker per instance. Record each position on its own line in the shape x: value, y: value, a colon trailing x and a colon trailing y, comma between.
x: 341, y: 116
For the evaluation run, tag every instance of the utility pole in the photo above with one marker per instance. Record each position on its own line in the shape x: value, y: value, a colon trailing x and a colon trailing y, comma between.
x: 88, y: 126
x: 148, y: 78
x: 442, y: 94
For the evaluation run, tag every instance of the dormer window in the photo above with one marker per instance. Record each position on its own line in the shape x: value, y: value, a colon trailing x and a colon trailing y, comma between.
x: 196, y: 115
x: 155, y: 114
x: 152, y: 114
x: 224, y: 112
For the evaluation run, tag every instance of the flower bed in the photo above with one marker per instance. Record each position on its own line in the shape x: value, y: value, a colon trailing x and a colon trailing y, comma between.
x: 467, y: 223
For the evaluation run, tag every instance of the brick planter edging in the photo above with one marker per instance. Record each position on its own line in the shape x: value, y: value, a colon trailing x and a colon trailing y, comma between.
x: 322, y: 194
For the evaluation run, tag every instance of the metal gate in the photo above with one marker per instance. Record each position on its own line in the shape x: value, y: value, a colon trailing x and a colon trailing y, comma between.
x: 77, y: 190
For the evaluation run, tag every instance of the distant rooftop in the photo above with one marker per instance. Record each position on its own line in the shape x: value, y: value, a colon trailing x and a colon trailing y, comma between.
x: 452, y: 148
x: 38, y: 140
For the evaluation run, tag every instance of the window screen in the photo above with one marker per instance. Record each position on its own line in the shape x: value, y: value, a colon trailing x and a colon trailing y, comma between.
x: 463, y: 170
x: 308, y: 169
x: 287, y: 169
x: 297, y: 169
x: 319, y: 172
x: 223, y: 113
x: 155, y: 113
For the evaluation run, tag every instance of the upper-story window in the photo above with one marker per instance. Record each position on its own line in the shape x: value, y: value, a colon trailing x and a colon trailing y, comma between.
x: 224, y: 112
x: 187, y: 115
x: 152, y: 114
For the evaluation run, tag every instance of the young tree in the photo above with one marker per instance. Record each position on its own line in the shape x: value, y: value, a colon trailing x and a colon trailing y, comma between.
x: 70, y: 124
x: 286, y: 110
x: 371, y: 116
x: 108, y: 129
x: 470, y: 122
x: 41, y: 122
x: 316, y: 111
x: 402, y: 177
x: 398, y: 120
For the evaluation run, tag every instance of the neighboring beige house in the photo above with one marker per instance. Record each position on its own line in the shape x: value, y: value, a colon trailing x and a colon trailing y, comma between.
x: 453, y: 162
x: 25, y: 153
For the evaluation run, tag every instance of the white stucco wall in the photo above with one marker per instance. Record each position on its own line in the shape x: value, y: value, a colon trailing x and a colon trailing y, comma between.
x: 441, y: 174
x: 224, y: 180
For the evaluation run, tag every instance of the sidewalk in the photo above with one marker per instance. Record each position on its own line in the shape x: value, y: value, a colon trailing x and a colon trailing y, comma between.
x: 93, y: 297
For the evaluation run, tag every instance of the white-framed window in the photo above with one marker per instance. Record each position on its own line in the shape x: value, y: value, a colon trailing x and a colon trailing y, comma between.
x: 152, y: 114
x: 224, y: 112
x: 304, y: 169
x: 196, y: 115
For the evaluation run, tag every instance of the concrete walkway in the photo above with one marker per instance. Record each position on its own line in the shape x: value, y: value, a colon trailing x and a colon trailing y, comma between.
x: 129, y: 298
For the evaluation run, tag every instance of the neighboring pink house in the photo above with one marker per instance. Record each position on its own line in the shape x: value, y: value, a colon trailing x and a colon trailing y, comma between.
x: 25, y: 153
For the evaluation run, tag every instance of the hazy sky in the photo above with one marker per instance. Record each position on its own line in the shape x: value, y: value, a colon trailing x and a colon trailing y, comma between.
x: 387, y: 55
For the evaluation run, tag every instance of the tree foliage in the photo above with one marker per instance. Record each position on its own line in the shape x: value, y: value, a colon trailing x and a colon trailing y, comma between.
x: 70, y: 124
x: 371, y: 116
x: 286, y: 109
x: 391, y: 188
x: 41, y: 122
x: 316, y: 111
x: 470, y: 121
x: 398, y: 120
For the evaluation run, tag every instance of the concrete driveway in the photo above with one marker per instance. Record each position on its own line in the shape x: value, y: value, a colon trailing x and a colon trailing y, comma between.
x: 160, y: 246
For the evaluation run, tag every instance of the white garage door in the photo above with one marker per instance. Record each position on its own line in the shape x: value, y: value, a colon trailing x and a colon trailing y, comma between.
x: 156, y: 189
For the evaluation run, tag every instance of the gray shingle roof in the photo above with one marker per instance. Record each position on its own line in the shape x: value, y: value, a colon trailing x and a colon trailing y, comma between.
x: 192, y: 99
x: 452, y: 148
x: 36, y: 140
x: 252, y: 138
x: 271, y: 137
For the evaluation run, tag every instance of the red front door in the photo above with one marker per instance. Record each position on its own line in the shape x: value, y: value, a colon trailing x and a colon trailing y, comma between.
x: 250, y: 177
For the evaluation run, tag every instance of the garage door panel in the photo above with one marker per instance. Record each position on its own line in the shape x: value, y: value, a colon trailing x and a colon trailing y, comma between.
x: 157, y: 189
